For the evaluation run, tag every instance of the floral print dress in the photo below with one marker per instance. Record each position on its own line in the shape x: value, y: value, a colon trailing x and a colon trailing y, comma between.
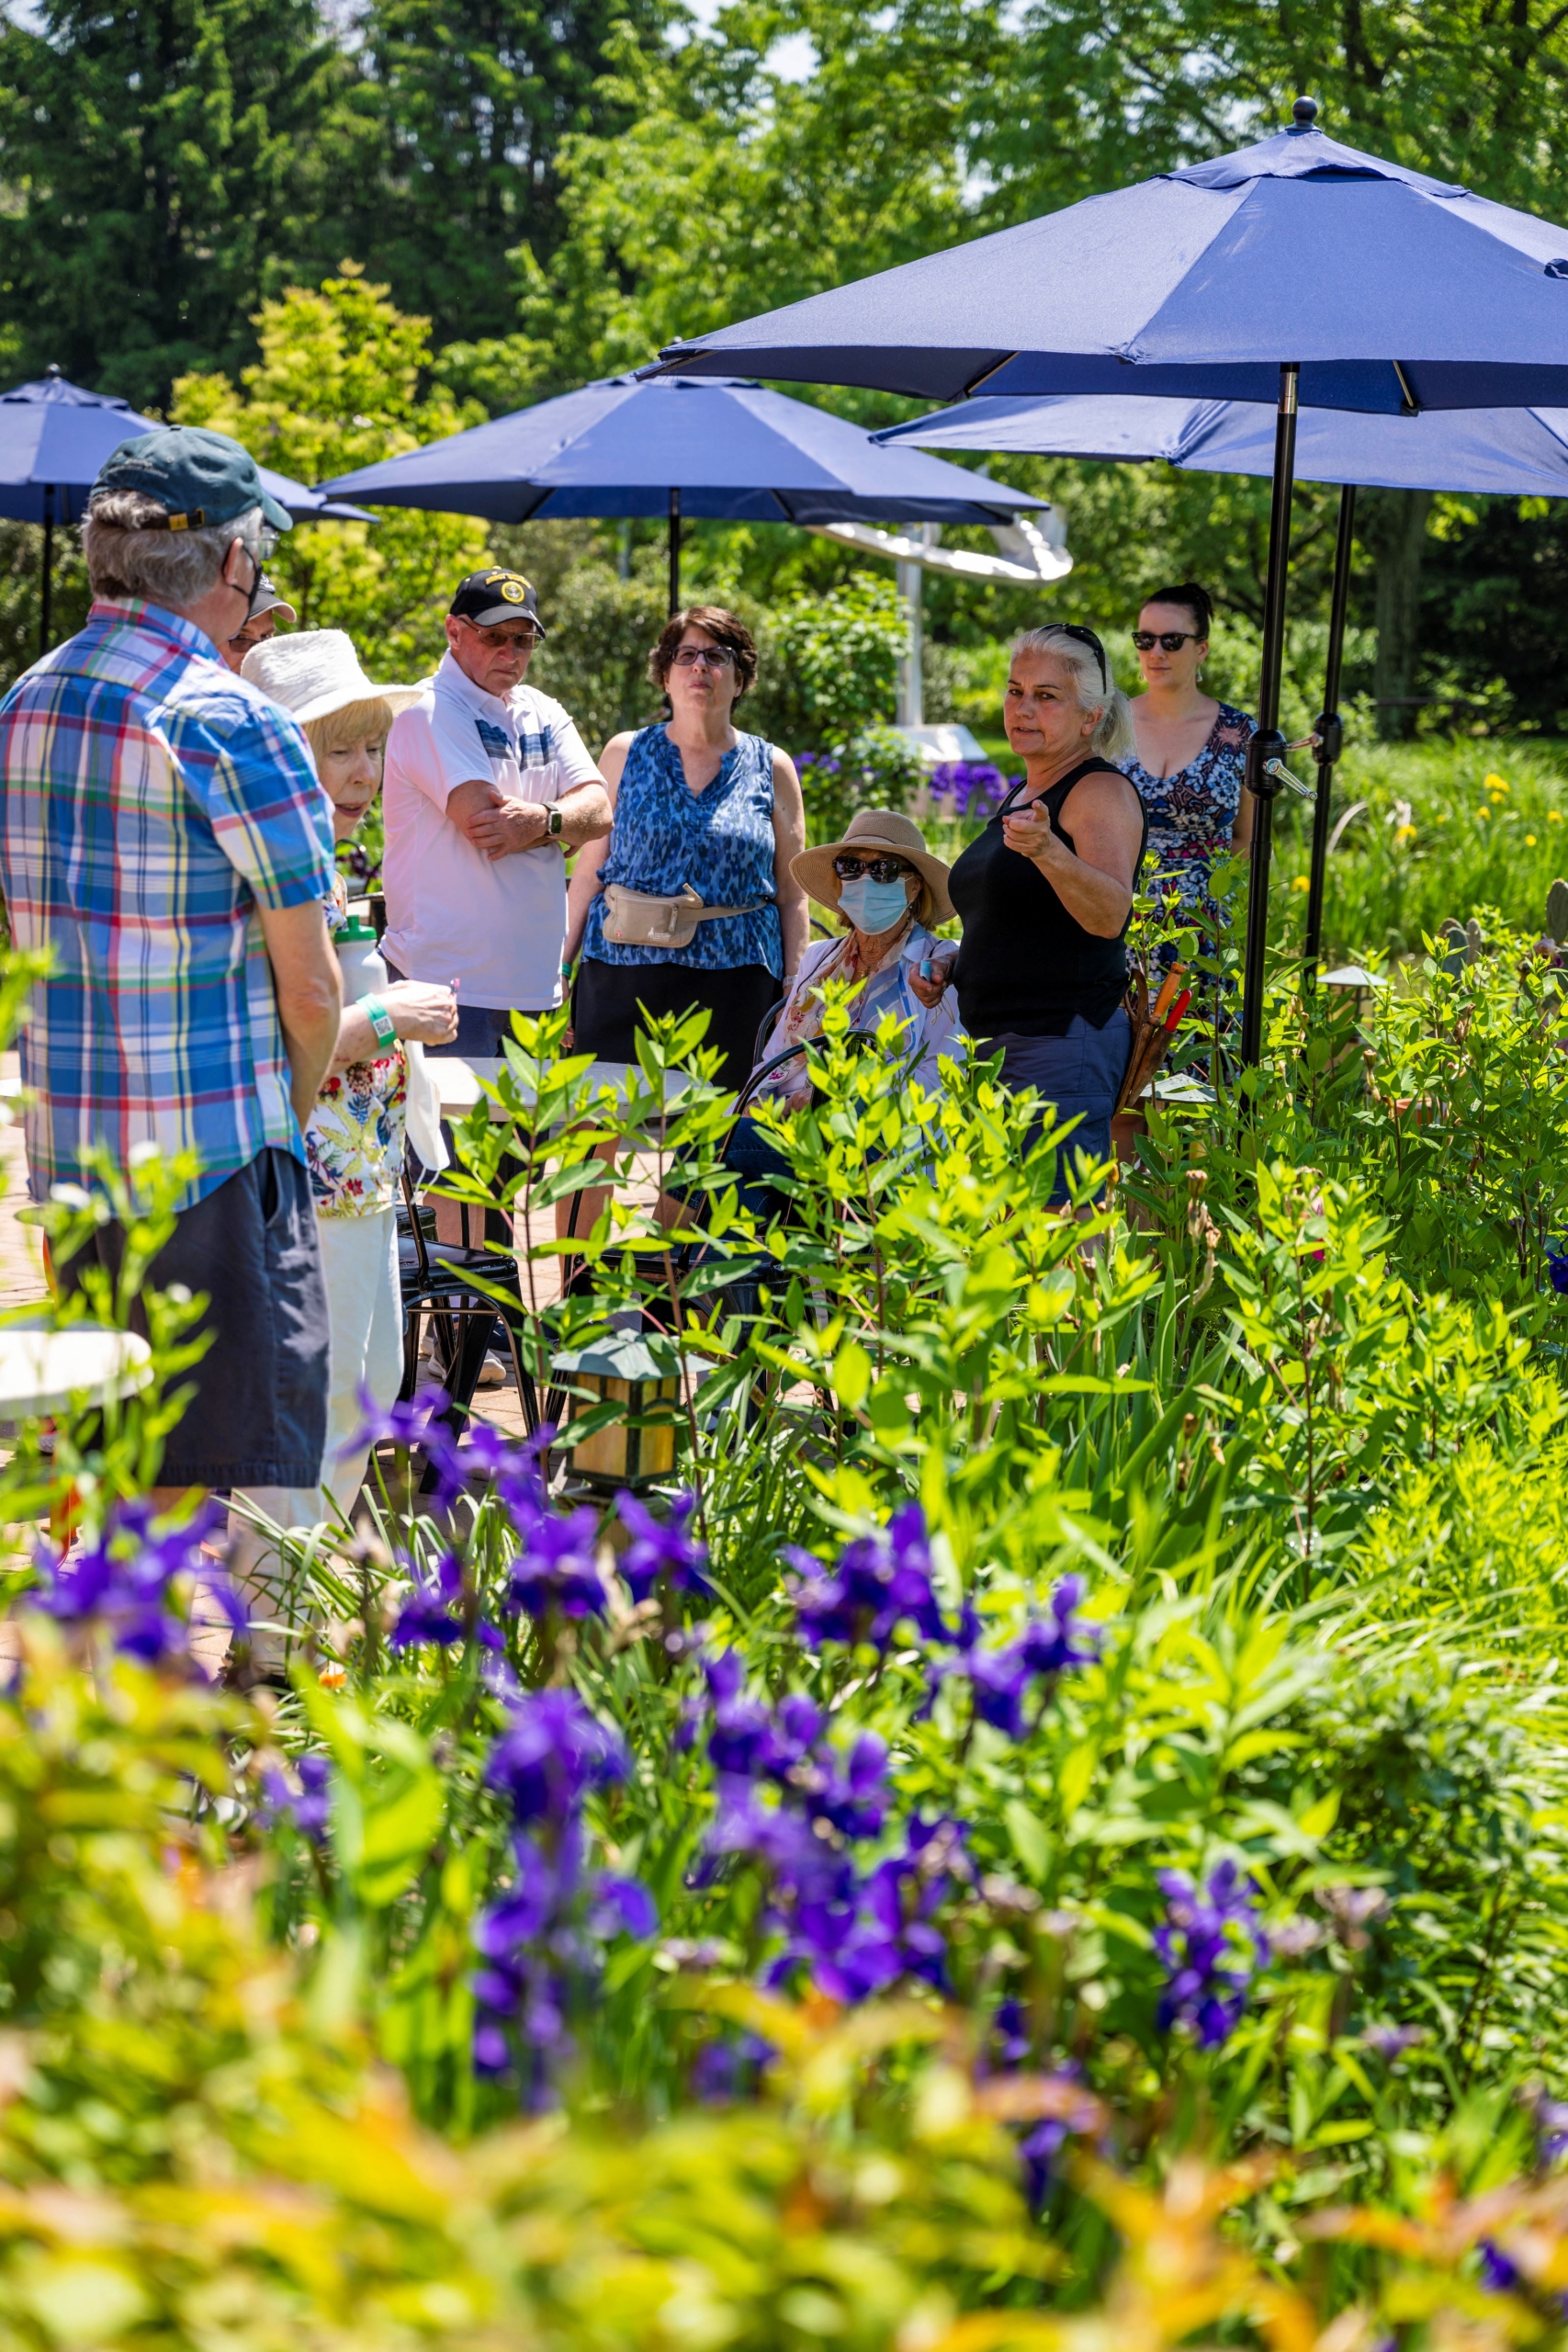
x: 354, y: 1144
x: 1192, y: 812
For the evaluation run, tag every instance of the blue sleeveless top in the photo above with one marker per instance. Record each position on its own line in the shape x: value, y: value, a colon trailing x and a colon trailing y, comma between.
x: 720, y: 841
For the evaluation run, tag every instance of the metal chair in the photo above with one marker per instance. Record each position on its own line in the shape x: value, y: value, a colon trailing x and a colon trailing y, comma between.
x: 438, y: 1283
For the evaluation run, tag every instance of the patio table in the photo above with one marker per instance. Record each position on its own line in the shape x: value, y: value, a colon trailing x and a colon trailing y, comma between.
x: 44, y: 1371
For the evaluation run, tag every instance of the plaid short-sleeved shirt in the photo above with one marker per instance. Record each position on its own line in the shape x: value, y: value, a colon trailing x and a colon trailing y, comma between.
x: 149, y: 800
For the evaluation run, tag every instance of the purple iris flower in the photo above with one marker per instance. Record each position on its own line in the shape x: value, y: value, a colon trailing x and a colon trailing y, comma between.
x: 658, y: 1551
x: 541, y: 1940
x: 132, y: 1576
x: 1005, y: 1684
x: 403, y: 1423
x: 1391, y: 2041
x: 306, y: 1800
x: 1551, y: 2129
x: 1211, y: 1944
x: 551, y: 1753
x: 1557, y: 1268
x: 881, y: 1583
x: 558, y: 1568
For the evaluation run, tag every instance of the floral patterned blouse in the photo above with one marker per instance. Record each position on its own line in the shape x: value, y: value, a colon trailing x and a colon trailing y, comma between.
x: 354, y: 1144
x: 1192, y: 812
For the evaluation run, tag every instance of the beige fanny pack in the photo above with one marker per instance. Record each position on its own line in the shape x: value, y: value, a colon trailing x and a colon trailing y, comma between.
x: 633, y: 919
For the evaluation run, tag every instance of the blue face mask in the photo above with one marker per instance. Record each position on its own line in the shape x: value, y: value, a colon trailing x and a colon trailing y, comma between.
x: 872, y: 906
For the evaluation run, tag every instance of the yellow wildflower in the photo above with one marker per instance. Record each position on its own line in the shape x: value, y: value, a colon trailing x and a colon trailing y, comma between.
x: 1493, y: 782
x: 1483, y: 815
x: 1529, y: 841
x: 1554, y: 816
x: 1300, y: 882
x: 1404, y: 833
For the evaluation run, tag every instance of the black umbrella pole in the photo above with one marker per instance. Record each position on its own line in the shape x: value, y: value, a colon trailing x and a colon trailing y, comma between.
x: 1330, y: 732
x: 674, y: 553
x: 1268, y: 744
x: 46, y: 579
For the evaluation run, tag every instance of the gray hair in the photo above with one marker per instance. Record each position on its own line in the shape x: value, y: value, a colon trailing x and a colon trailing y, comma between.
x: 1114, y: 737
x: 126, y: 558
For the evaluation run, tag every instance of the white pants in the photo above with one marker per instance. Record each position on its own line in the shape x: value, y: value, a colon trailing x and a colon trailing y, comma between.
x: 365, y: 1315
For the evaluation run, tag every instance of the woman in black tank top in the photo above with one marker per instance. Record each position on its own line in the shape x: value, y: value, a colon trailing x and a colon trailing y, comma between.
x: 1046, y: 892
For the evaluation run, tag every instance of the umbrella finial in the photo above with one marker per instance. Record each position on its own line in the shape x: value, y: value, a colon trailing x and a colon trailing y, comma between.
x: 51, y: 373
x: 1304, y: 114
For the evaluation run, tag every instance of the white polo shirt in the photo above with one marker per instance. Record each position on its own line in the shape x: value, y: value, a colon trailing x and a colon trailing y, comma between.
x: 496, y: 926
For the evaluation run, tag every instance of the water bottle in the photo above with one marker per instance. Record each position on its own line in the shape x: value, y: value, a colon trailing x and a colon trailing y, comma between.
x: 359, y: 953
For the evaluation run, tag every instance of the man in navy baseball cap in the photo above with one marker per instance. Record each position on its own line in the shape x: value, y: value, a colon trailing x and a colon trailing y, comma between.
x: 487, y: 598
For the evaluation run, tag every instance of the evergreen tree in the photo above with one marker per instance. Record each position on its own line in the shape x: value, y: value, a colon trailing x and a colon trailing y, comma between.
x: 474, y: 100
x: 161, y: 161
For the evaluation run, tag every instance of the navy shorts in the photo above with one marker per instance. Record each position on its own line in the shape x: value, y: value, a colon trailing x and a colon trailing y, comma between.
x: 259, y: 1414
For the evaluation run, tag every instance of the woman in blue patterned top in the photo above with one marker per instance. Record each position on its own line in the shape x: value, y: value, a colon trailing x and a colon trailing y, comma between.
x: 699, y: 807
x: 1191, y: 767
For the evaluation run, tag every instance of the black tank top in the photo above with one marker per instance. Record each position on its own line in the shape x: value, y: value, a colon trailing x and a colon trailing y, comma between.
x: 1026, y: 966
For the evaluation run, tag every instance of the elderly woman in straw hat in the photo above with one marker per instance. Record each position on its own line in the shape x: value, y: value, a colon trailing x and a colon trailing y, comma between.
x: 888, y: 893
x: 354, y: 1143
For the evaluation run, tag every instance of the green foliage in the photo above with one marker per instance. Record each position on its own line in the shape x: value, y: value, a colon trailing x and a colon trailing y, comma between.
x: 338, y: 385
x: 165, y: 169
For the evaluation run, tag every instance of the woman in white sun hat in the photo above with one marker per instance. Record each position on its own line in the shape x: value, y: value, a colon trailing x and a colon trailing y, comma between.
x: 887, y: 891
x: 354, y: 1143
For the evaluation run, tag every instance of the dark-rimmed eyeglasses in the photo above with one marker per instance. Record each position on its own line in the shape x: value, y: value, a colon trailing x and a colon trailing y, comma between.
x: 879, y: 869
x: 716, y: 657
x: 1170, y: 640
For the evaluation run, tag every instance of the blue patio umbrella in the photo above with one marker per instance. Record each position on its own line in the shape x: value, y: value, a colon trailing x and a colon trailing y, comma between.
x: 53, y: 438
x: 1295, y: 269
x: 1512, y: 452
x: 723, y: 450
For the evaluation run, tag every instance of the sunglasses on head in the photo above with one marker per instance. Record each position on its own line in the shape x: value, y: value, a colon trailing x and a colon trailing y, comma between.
x: 1170, y: 640
x: 1086, y: 637
x: 880, y: 869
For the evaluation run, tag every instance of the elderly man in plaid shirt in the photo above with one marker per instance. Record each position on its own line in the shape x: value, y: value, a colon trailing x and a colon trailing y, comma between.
x: 163, y: 834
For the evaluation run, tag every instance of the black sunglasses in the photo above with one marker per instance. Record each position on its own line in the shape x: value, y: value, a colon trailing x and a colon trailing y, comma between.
x: 1085, y: 636
x: 1171, y: 639
x: 881, y: 870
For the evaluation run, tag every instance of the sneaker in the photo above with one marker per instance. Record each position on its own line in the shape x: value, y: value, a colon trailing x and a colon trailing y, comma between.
x: 494, y: 1374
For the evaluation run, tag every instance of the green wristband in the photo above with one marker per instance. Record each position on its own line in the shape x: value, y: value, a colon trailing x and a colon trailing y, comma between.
x: 381, y: 1020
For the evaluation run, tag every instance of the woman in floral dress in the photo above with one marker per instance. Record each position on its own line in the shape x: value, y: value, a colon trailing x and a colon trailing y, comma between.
x: 1191, y: 767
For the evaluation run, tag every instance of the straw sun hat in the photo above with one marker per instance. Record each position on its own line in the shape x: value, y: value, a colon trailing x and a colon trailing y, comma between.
x: 871, y: 828
x: 314, y: 672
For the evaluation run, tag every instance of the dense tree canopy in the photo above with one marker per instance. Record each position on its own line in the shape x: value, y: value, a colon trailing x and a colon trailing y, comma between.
x: 558, y: 192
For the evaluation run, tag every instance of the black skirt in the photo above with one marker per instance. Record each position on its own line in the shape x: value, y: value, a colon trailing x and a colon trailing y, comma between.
x: 608, y: 999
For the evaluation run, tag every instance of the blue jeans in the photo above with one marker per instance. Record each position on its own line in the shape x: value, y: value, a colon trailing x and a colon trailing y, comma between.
x: 1081, y: 1074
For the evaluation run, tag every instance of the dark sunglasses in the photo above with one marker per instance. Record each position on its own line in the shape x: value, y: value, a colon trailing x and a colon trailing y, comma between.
x: 881, y: 870
x: 1085, y: 636
x: 1171, y: 639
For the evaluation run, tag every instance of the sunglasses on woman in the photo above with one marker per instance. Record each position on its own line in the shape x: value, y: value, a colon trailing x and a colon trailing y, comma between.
x: 1171, y: 640
x: 880, y: 869
x: 716, y: 657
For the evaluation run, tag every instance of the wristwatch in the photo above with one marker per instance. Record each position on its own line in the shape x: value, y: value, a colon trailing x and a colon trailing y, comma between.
x: 553, y: 823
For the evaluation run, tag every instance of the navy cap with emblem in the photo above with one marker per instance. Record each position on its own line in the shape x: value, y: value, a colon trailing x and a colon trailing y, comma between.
x: 487, y: 598
x: 198, y: 478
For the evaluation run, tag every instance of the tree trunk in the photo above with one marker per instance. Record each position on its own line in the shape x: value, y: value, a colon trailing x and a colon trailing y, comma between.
x: 1394, y: 532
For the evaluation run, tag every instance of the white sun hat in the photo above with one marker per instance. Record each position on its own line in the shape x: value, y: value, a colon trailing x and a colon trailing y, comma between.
x: 314, y: 672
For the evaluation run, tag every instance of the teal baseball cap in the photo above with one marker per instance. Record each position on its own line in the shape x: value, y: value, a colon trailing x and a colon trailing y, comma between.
x: 198, y: 477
